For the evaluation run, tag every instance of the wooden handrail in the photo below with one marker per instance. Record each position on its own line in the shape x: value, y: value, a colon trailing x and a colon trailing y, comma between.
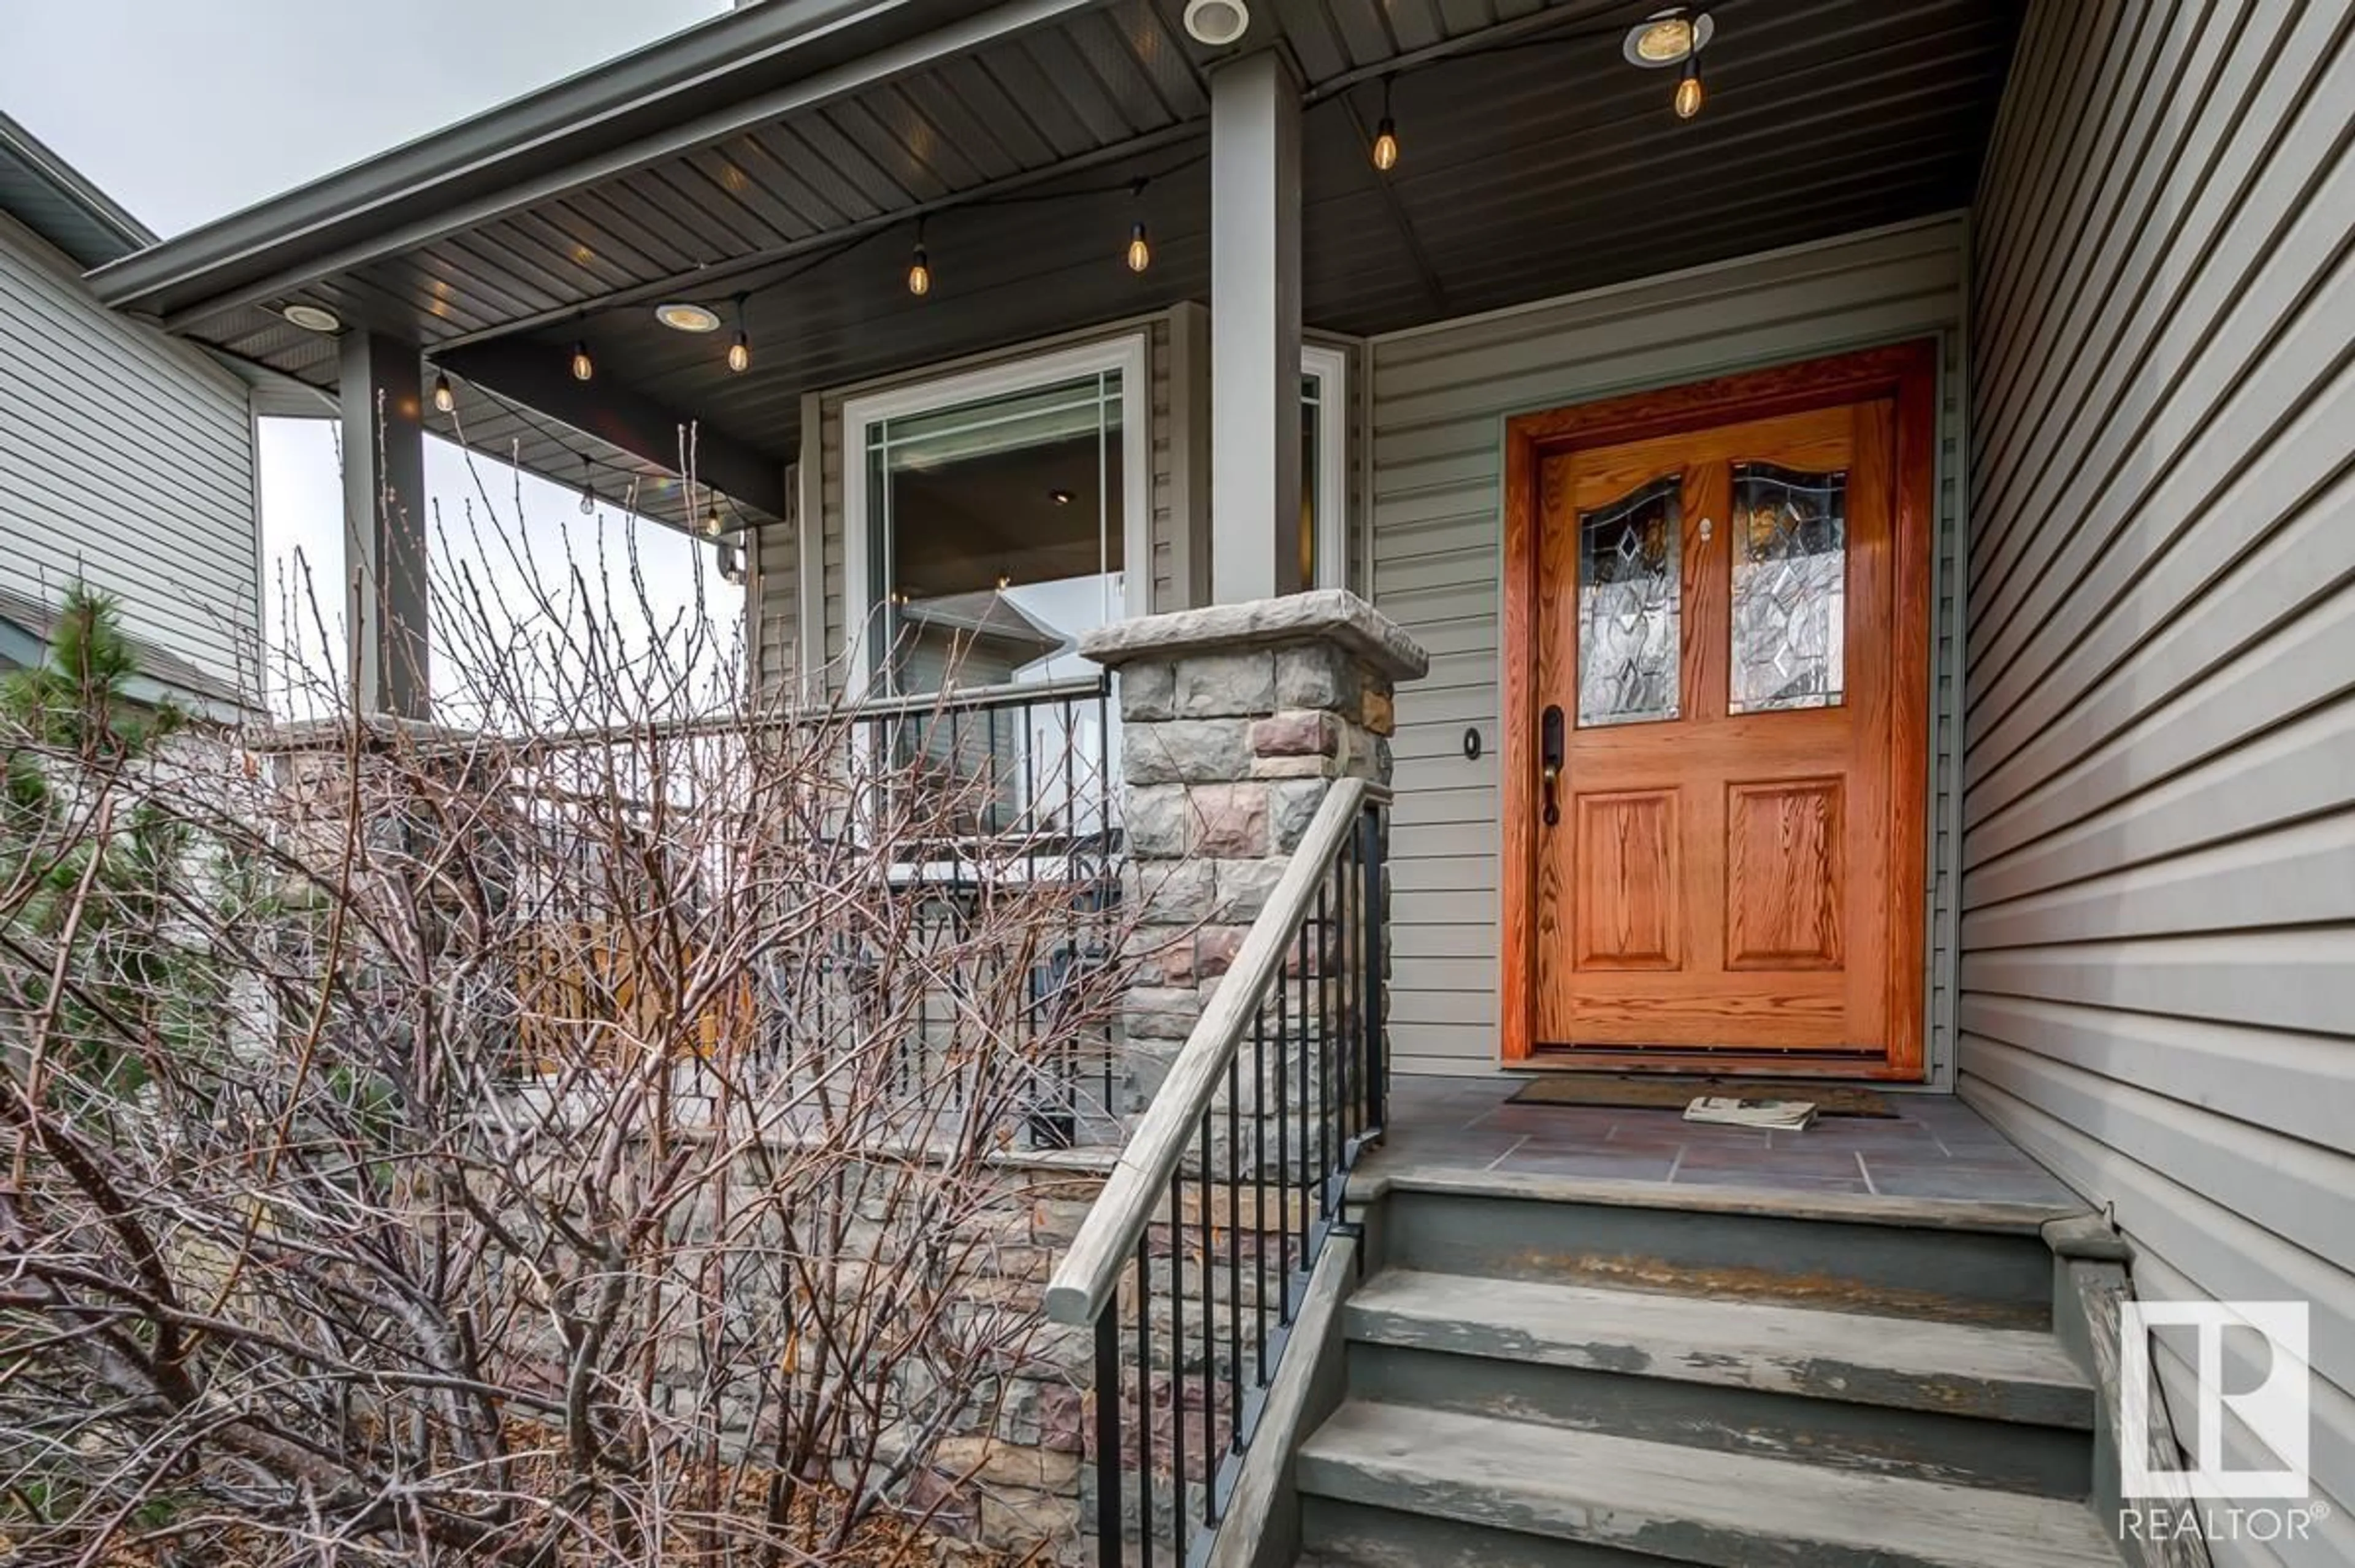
x: 1108, y: 1237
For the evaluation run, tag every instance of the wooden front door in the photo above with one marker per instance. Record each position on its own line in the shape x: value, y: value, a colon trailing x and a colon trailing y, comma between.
x: 1717, y: 723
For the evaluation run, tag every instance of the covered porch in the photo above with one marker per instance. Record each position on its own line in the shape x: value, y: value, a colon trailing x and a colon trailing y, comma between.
x: 1260, y: 299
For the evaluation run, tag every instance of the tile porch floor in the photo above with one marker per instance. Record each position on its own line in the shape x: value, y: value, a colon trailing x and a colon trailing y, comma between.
x: 1936, y: 1147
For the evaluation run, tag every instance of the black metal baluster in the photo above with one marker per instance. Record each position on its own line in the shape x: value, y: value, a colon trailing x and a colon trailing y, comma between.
x: 1259, y: 1181
x: 1209, y: 1378
x: 1108, y: 1397
x: 1326, y: 1054
x: 1178, y: 1360
x: 1309, y: 1133
x: 1145, y: 1397
x: 1282, y: 1163
x: 1377, y: 925
x: 1234, y: 1257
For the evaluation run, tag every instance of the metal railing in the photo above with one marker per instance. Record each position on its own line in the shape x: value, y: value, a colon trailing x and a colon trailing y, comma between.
x: 1195, y: 1258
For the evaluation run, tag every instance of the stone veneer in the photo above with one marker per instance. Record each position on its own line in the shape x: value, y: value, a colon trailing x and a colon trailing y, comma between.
x: 1235, y: 721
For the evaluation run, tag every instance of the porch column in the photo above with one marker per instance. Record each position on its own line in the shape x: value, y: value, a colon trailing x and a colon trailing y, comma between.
x: 385, y: 524
x: 1254, y: 330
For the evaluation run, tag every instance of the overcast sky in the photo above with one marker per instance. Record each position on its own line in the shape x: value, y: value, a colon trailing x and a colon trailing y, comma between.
x: 183, y: 112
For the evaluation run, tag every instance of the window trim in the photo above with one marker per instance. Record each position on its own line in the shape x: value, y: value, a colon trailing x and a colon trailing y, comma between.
x: 1127, y: 354
x: 1328, y: 364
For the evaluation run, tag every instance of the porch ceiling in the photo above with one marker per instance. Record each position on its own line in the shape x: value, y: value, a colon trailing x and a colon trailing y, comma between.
x: 786, y: 150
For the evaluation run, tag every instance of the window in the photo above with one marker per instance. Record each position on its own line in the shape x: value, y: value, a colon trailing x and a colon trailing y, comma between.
x: 1324, y: 467
x: 994, y: 517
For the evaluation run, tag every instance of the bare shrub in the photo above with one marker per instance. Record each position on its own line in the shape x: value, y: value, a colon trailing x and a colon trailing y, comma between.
x: 570, y: 1138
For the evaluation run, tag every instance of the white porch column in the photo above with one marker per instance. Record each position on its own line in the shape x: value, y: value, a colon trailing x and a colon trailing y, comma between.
x: 381, y: 388
x: 1254, y: 330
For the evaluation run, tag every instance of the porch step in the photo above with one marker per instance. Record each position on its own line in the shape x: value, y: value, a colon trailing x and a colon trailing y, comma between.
x: 1628, y: 1500
x: 1997, y: 1408
x: 1915, y: 1260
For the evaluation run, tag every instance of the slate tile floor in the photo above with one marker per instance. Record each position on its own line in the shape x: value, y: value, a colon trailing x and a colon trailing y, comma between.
x: 1936, y: 1146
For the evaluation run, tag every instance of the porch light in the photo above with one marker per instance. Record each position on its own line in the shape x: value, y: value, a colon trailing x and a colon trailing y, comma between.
x: 1140, y: 253
x: 1668, y: 37
x: 1386, y: 142
x: 684, y: 315
x: 1216, y: 22
x: 314, y: 317
x: 583, y: 365
x: 740, y: 353
x: 588, y: 485
x: 712, y: 523
x: 1688, y: 93
x: 445, y: 399
x: 920, y: 266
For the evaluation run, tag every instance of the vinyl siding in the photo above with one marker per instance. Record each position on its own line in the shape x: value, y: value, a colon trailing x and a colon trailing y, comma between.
x: 2158, y: 982
x: 1440, y: 396
x: 125, y: 459
x: 781, y: 602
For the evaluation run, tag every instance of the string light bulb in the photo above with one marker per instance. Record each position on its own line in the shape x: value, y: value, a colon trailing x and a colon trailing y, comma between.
x: 740, y: 353
x: 711, y: 519
x: 583, y: 367
x: 1689, y: 90
x: 1386, y: 142
x: 445, y: 399
x: 920, y: 266
x: 1140, y: 253
x: 588, y: 486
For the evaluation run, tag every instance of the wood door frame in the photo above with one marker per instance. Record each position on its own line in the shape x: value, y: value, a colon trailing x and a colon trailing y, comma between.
x: 1905, y: 373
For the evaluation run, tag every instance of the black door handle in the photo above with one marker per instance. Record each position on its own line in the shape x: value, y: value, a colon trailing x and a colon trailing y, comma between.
x: 1549, y: 741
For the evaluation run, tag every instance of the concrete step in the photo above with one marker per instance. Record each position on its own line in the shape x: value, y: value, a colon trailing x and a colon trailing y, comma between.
x: 1999, y: 1408
x: 1514, y: 1491
x: 1916, y: 1260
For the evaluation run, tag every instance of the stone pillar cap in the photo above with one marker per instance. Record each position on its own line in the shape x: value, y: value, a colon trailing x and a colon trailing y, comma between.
x: 1333, y: 616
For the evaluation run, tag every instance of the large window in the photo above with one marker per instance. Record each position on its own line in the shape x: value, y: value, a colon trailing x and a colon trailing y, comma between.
x: 995, y: 516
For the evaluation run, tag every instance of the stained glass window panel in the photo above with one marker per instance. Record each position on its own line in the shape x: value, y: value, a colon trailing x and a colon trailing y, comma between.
x: 1630, y: 555
x: 1790, y: 589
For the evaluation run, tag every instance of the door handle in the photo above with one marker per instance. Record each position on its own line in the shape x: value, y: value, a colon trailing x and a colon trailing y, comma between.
x: 1550, y: 742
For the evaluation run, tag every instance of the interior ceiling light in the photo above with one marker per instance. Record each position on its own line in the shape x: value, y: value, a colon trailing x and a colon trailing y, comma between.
x: 1062, y: 497
x: 1667, y: 37
x: 314, y: 317
x: 684, y: 315
x: 1216, y: 22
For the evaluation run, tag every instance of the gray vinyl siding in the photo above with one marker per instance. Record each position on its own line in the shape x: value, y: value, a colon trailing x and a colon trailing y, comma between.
x: 126, y: 459
x: 1440, y: 396
x: 2158, y: 984
x: 780, y: 604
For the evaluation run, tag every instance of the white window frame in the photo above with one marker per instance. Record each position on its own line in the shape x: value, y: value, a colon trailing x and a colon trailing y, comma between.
x: 1328, y: 365
x: 1127, y: 354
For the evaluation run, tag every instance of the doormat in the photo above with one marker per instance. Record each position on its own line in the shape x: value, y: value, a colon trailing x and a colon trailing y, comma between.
x: 1676, y: 1094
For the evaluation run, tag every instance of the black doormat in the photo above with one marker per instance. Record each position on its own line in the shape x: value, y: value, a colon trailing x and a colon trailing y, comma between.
x: 1676, y: 1094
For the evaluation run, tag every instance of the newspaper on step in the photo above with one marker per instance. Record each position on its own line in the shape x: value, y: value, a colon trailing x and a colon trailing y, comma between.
x: 1786, y: 1116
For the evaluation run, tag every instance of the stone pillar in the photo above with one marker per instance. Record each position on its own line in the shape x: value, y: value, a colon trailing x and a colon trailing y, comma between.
x: 1235, y: 721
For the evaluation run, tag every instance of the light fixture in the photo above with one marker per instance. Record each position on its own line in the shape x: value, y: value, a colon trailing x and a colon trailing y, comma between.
x: 445, y: 399
x: 1140, y: 250
x: 920, y: 266
x: 1667, y: 38
x: 740, y: 353
x: 712, y: 522
x: 1386, y: 143
x: 1061, y: 498
x: 583, y: 365
x: 1003, y: 582
x: 588, y: 485
x: 731, y: 563
x: 684, y: 315
x: 1688, y: 93
x: 1216, y: 22
x: 314, y: 317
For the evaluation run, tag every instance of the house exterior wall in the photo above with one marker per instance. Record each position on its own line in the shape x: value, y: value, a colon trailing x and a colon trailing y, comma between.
x: 1440, y: 397
x: 125, y: 459
x: 2158, y: 929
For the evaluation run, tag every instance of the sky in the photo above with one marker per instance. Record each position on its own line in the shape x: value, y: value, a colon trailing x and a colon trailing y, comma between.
x: 186, y: 112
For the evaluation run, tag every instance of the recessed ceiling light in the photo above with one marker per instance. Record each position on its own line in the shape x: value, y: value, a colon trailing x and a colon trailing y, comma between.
x: 683, y: 316
x: 1062, y: 497
x: 1666, y: 37
x: 314, y: 317
x: 1216, y: 22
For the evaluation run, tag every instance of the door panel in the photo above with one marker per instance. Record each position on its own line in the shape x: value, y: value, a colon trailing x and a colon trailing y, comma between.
x: 1723, y: 634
